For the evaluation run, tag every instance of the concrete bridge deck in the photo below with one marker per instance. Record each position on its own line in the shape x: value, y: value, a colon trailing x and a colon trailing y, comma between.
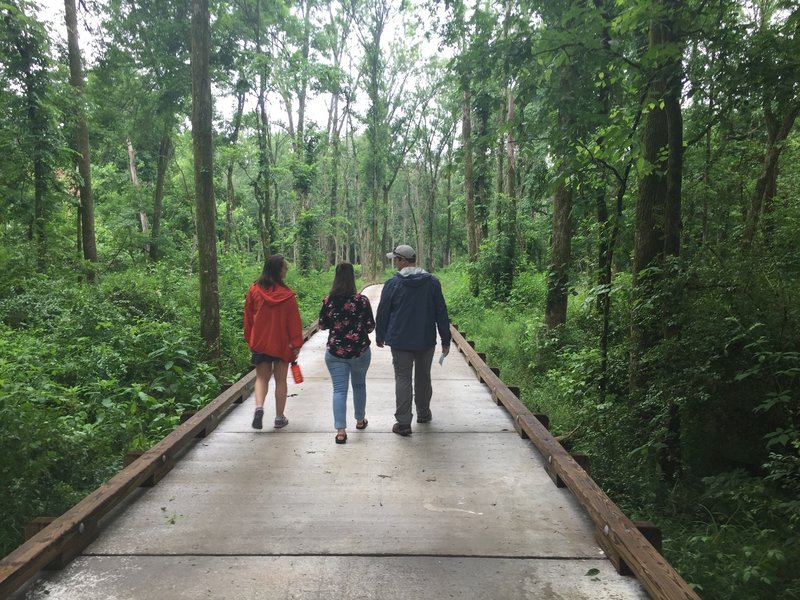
x: 461, y: 509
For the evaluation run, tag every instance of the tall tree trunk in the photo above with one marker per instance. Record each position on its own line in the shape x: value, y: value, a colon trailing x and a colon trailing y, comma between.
x: 81, y: 137
x: 306, y: 231
x: 202, y: 144
x: 657, y: 224
x: 164, y: 156
x: 144, y: 224
x: 500, y: 175
x: 430, y: 216
x: 336, y: 121
x: 469, y: 187
x: 606, y: 239
x: 469, y: 183
x: 648, y: 245
x: 672, y: 212
x: 604, y: 284
x: 237, y: 122
x: 34, y: 86
x: 39, y: 179
x: 361, y: 237
x: 302, y: 91
x: 332, y: 240
x: 555, y: 313
x: 482, y: 154
x: 383, y: 242
x: 448, y: 196
x: 37, y: 122
x: 510, y: 202
x: 658, y: 232
x: 560, y: 250
x: 778, y: 129
x: 416, y: 210
x: 377, y: 153
x: 263, y: 182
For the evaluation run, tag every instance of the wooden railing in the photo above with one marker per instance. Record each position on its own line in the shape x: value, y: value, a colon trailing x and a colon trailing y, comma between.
x: 63, y: 538
x: 617, y: 535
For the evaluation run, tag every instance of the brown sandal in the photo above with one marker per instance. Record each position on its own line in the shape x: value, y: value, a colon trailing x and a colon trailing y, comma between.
x: 341, y: 438
x: 363, y: 424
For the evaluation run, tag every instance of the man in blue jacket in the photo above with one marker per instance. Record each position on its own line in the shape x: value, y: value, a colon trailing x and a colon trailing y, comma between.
x: 410, y: 311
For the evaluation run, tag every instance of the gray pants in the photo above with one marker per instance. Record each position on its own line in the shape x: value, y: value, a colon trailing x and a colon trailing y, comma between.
x: 418, y: 361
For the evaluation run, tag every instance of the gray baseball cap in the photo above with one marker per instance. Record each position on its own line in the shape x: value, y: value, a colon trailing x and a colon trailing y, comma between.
x: 403, y: 251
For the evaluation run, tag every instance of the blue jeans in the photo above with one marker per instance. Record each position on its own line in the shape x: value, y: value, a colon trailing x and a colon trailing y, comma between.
x: 342, y: 370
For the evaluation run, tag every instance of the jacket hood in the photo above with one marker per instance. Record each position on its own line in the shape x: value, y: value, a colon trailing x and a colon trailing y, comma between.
x: 274, y: 295
x: 413, y: 276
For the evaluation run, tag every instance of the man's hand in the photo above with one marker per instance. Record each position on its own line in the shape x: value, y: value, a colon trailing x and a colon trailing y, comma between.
x: 379, y: 344
x: 445, y: 350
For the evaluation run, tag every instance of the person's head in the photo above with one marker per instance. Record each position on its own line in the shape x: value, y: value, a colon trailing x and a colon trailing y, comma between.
x: 344, y: 280
x: 274, y: 272
x: 403, y: 256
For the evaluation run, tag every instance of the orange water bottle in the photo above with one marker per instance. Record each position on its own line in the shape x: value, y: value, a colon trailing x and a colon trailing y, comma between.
x: 297, y: 375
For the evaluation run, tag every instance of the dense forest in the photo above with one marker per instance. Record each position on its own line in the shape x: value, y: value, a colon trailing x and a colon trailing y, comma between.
x: 608, y: 189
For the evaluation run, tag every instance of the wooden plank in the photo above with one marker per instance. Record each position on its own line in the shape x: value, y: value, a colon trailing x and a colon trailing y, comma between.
x: 157, y: 475
x: 617, y: 531
x: 69, y: 534
x: 646, y: 528
x: 581, y: 459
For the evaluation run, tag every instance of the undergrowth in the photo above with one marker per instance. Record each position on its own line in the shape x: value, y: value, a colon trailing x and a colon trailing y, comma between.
x: 730, y: 518
x: 89, y: 372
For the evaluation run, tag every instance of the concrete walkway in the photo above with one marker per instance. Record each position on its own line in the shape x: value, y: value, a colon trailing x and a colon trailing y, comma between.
x: 461, y: 509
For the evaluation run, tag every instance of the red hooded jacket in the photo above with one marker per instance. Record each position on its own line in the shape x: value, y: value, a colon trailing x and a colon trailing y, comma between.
x: 272, y: 321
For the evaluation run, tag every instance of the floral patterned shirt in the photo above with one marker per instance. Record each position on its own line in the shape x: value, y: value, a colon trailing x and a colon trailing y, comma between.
x: 350, y: 322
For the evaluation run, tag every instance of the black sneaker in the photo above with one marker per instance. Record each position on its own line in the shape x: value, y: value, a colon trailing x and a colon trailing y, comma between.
x: 404, y: 430
x: 426, y: 419
x: 257, y: 419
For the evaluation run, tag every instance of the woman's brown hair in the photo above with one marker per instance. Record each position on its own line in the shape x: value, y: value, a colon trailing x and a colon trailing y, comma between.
x: 344, y: 281
x: 271, y: 274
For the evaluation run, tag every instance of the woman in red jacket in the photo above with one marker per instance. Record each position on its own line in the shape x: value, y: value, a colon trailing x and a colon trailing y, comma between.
x: 274, y: 332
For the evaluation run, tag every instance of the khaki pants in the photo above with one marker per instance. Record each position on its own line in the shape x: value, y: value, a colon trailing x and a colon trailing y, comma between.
x: 419, y: 362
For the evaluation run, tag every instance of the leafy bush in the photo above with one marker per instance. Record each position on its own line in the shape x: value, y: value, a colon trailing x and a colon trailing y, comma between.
x: 89, y: 372
x: 732, y: 538
x: 731, y: 377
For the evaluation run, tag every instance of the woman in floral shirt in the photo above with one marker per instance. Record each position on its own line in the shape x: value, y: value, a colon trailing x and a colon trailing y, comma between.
x: 348, y: 317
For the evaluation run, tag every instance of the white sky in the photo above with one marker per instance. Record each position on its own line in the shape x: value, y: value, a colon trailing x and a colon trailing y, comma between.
x: 51, y: 12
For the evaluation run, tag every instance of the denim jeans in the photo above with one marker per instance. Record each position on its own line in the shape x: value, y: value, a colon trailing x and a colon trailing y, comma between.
x: 418, y: 363
x: 342, y: 370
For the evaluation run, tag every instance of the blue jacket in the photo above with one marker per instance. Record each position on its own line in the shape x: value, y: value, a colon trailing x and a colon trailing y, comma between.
x: 410, y: 311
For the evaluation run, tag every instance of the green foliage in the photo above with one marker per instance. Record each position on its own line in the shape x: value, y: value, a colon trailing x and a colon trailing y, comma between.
x: 494, y: 270
x: 89, y: 372
x: 736, y: 520
x: 730, y: 377
x: 307, y: 240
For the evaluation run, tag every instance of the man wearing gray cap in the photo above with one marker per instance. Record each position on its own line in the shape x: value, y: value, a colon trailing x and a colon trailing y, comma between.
x: 411, y: 309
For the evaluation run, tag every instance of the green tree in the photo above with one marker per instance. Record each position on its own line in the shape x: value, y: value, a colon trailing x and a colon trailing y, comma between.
x: 204, y: 178
x: 658, y: 206
x: 86, y: 211
x: 774, y: 66
x: 25, y: 47
x: 142, y: 87
x: 374, y: 17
